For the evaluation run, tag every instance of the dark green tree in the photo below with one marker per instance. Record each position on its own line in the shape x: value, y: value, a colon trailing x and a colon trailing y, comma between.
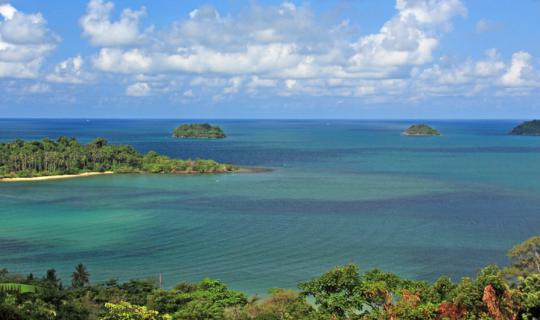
x: 337, y: 292
x: 80, y: 277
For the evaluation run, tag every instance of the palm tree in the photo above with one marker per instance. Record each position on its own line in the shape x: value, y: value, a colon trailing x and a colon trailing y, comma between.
x: 80, y: 276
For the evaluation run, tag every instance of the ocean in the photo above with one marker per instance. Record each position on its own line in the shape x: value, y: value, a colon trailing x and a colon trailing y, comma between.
x: 341, y: 191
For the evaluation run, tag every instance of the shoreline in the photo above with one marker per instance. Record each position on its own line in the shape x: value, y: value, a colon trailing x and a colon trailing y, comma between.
x: 419, y: 135
x: 89, y: 174
x: 56, y: 177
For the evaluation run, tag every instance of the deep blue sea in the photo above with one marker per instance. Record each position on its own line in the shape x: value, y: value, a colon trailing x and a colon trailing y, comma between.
x: 341, y: 191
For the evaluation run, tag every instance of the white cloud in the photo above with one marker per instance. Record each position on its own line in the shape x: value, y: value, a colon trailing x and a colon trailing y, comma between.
x: 490, y: 76
x: 7, y: 11
x: 281, y: 42
x: 24, y: 41
x: 257, y: 82
x: 288, y: 50
x: 520, y: 71
x: 139, y: 89
x: 123, y: 61
x: 483, y: 25
x: 234, y: 85
x: 409, y: 38
x: 101, y: 31
x: 38, y: 88
x: 69, y: 71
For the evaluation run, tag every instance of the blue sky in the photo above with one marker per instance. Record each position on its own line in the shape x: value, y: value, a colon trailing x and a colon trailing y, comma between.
x: 270, y: 59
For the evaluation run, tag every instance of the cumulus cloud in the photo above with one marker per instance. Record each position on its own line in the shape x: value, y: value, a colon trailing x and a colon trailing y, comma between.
x: 520, y: 72
x: 276, y: 43
x: 288, y: 50
x: 490, y: 76
x: 410, y: 37
x: 139, y: 89
x: 101, y: 31
x: 24, y: 41
x: 70, y: 71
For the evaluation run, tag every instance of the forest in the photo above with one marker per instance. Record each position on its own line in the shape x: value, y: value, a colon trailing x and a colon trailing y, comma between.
x: 198, y: 131
x: 344, y: 293
x: 67, y: 156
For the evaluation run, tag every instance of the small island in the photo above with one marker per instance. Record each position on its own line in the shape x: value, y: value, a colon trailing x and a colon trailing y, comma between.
x: 48, y: 159
x: 198, y: 131
x: 527, y: 128
x: 420, y: 130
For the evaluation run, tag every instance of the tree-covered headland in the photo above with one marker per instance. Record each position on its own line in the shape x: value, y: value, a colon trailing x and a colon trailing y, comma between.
x: 341, y: 293
x: 199, y: 131
x: 527, y: 128
x: 67, y: 156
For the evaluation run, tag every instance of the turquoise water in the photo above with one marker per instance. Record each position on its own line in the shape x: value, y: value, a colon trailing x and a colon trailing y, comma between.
x: 341, y: 191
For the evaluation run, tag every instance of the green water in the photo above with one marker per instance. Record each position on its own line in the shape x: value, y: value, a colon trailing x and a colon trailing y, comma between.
x: 340, y: 191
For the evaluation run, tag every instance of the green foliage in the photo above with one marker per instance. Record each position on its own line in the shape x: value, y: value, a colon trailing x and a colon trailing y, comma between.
x: 529, y: 287
x: 198, y: 130
x: 527, y: 128
x: 525, y: 258
x: 336, y: 292
x: 127, y: 311
x: 421, y: 130
x: 281, y: 304
x: 18, y: 287
x: 341, y: 293
x: 26, y: 159
x: 80, y: 276
x: 205, y: 300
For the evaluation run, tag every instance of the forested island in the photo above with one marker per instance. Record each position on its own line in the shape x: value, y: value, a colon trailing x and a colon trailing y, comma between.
x: 420, y: 130
x: 199, y: 131
x: 66, y: 156
x: 343, y: 293
x: 527, y: 128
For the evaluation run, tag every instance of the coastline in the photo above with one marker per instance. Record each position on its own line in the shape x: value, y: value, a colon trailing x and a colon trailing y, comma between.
x: 56, y: 177
x: 252, y: 170
x: 419, y: 135
x: 88, y: 174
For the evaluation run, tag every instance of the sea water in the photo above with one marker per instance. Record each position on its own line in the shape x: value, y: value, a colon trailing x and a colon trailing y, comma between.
x: 340, y: 191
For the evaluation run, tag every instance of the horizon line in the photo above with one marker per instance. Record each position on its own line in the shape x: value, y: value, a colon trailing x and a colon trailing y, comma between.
x: 277, y: 118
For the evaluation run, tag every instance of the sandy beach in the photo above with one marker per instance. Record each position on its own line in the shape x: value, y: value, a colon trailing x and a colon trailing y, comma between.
x: 64, y: 176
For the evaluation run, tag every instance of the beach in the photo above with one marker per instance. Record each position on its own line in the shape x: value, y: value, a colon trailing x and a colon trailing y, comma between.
x: 56, y: 177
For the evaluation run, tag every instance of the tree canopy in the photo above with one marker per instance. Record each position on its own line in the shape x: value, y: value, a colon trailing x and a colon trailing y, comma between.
x: 421, y: 130
x: 342, y: 293
x: 199, y: 131
x: 67, y: 156
x: 527, y: 128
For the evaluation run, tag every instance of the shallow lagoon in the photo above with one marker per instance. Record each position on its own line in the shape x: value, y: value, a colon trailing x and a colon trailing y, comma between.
x: 341, y: 191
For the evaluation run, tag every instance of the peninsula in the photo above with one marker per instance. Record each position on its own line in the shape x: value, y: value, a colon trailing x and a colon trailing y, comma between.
x: 199, y: 131
x: 66, y: 157
x: 420, y: 130
x: 527, y: 128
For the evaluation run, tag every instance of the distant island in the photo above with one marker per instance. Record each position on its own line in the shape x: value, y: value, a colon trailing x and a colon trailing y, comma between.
x: 420, y: 130
x: 199, y: 131
x: 36, y: 160
x: 527, y: 128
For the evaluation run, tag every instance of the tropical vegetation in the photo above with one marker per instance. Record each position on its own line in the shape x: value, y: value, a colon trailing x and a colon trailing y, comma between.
x: 199, y: 131
x: 527, y: 128
x: 67, y: 156
x: 421, y: 130
x: 341, y: 293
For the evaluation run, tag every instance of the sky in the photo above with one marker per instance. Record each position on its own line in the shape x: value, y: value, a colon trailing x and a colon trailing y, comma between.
x: 383, y: 59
